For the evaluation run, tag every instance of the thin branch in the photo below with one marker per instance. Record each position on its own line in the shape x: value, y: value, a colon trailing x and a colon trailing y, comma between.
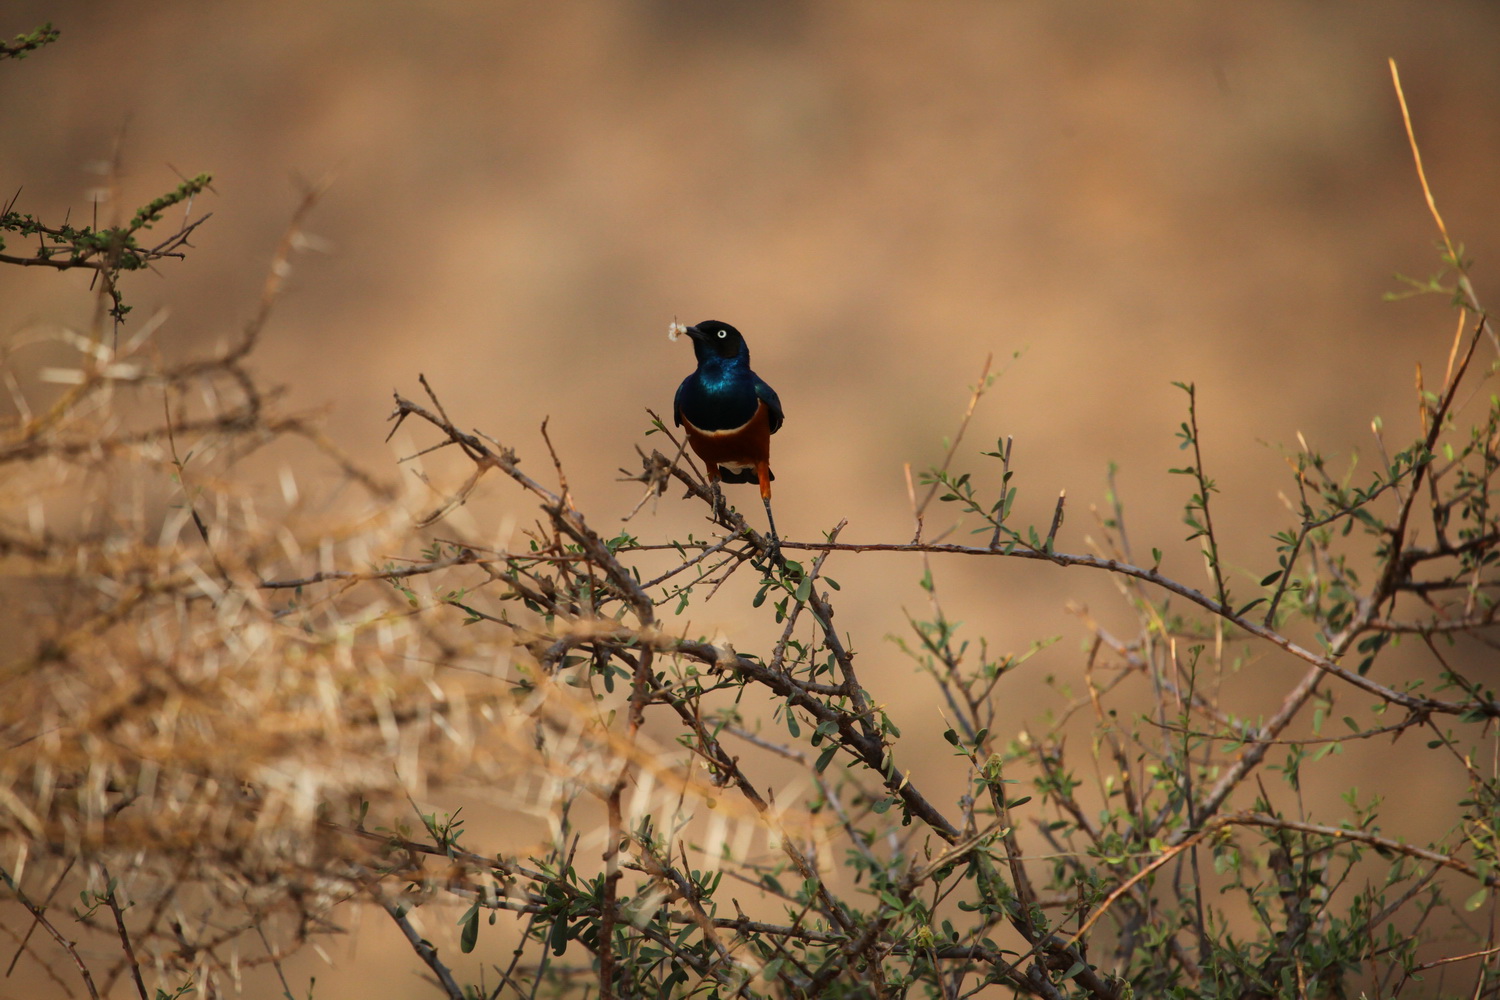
x: 126, y: 944
x: 424, y: 949
x: 985, y: 381
x: 40, y: 915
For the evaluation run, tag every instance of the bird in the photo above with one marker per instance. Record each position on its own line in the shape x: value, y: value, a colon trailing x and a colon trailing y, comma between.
x: 728, y: 413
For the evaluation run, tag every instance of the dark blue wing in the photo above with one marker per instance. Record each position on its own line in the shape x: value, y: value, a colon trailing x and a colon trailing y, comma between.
x: 678, y: 400
x: 772, y: 401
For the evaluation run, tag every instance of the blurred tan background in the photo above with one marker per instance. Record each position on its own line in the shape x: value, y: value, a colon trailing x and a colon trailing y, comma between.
x: 878, y: 194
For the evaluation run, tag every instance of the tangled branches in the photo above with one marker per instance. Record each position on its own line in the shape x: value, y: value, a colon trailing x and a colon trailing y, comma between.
x: 230, y: 704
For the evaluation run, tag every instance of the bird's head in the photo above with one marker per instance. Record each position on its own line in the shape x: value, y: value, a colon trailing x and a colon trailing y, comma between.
x: 714, y: 339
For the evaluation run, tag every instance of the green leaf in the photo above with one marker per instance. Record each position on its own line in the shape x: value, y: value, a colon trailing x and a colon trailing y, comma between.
x: 470, y: 934
x: 557, y: 937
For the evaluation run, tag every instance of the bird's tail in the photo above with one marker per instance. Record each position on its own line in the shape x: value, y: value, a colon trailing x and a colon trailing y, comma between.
x: 740, y: 476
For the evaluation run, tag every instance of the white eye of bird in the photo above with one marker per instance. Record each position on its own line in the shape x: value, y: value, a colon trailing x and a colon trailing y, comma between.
x: 723, y: 334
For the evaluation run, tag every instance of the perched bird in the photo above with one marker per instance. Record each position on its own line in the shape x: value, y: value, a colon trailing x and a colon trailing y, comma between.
x: 728, y: 412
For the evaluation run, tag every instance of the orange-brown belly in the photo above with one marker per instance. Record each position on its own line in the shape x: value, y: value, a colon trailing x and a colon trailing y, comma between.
x: 740, y: 449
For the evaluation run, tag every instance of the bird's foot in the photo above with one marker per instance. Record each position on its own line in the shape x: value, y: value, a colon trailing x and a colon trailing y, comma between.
x: 773, y: 551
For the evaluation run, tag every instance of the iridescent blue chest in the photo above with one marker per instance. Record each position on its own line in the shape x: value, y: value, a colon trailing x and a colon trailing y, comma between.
x: 718, y: 396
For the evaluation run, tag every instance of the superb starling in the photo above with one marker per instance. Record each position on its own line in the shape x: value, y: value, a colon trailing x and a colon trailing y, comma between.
x: 728, y: 412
